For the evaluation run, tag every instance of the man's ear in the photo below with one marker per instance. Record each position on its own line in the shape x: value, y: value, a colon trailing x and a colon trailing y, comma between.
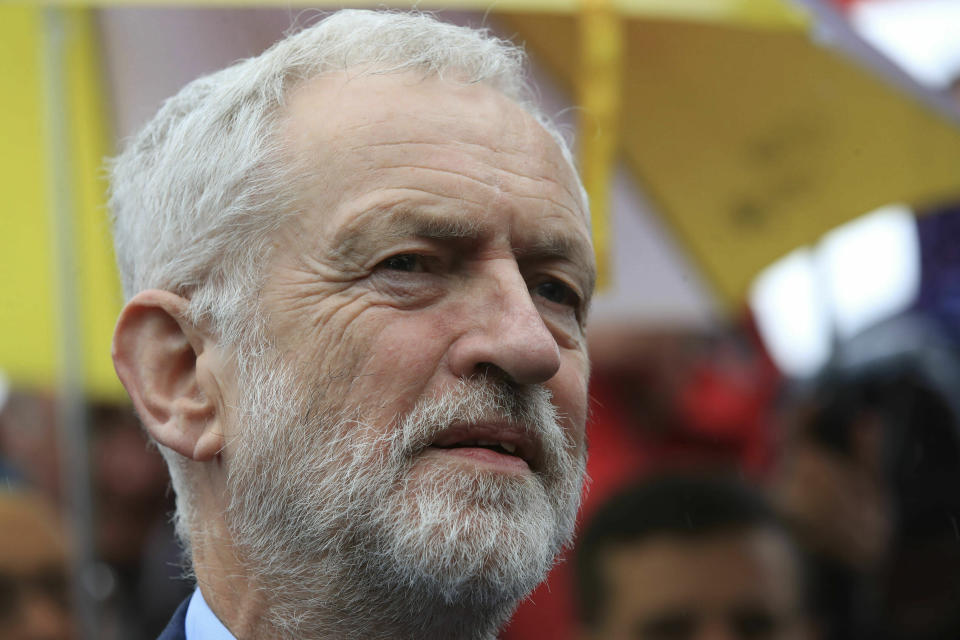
x: 160, y: 358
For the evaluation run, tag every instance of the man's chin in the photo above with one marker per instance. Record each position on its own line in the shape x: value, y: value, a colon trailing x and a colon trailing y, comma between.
x: 473, y: 509
x: 462, y: 482
x: 491, y: 535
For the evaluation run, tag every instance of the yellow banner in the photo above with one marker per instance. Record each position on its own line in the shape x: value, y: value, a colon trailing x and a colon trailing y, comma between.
x: 757, y: 13
x: 30, y: 319
x: 752, y: 142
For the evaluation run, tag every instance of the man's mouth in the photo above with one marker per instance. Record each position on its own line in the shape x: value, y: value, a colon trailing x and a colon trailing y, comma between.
x: 506, y: 448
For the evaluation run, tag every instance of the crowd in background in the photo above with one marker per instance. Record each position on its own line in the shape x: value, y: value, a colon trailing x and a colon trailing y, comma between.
x: 139, y: 570
x: 723, y: 498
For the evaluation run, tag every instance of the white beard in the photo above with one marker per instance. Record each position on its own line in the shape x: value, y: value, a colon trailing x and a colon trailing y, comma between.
x: 350, y: 534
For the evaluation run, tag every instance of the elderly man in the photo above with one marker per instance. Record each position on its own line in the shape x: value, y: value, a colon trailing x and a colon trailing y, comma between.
x: 357, y: 269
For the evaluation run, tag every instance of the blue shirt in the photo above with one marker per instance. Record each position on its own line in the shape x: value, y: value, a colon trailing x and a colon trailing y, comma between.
x: 201, y: 623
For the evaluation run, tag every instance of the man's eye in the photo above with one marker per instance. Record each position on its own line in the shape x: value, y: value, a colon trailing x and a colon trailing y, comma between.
x: 556, y: 291
x: 408, y: 262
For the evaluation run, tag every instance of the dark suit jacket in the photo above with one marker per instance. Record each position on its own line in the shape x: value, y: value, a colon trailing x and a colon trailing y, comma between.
x: 176, y: 630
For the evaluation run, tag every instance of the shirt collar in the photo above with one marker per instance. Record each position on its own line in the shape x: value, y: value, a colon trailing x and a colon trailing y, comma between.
x: 201, y: 623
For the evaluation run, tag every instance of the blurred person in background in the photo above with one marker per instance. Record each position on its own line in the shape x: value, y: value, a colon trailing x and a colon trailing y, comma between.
x: 138, y: 576
x: 689, y: 557
x: 869, y: 481
x: 134, y: 539
x: 29, y: 442
x: 34, y: 584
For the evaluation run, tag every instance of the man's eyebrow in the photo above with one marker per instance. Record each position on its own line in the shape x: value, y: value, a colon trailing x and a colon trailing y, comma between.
x: 399, y: 222
x: 411, y: 222
x: 562, y: 246
x: 403, y: 221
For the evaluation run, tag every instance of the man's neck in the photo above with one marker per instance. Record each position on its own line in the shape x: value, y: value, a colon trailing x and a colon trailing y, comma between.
x: 344, y: 604
x: 229, y: 594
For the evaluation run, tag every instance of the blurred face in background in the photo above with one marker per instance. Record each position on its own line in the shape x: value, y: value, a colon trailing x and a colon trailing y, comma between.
x: 742, y: 585
x: 28, y: 439
x: 34, y: 603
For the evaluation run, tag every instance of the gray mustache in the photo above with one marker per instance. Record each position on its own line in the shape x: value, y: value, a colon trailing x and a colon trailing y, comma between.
x: 526, y: 409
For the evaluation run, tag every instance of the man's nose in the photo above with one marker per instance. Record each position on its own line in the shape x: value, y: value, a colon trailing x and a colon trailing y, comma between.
x: 505, y: 332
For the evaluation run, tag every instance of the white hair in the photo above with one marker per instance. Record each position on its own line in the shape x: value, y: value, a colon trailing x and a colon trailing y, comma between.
x: 198, y: 193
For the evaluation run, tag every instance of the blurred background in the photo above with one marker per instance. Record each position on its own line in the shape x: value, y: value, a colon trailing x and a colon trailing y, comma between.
x: 776, y: 196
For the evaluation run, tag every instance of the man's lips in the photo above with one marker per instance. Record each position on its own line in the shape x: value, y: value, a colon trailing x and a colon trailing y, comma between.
x: 489, y: 444
x: 480, y: 456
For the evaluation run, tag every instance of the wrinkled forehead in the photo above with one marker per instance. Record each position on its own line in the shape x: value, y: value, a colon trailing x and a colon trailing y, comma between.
x: 349, y: 112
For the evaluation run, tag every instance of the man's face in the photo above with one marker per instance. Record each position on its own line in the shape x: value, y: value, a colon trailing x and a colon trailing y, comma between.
x: 736, y: 586
x: 442, y: 236
x: 425, y: 314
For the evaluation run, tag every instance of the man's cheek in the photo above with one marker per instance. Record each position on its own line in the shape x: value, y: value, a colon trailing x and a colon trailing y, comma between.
x: 380, y: 368
x: 407, y: 350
